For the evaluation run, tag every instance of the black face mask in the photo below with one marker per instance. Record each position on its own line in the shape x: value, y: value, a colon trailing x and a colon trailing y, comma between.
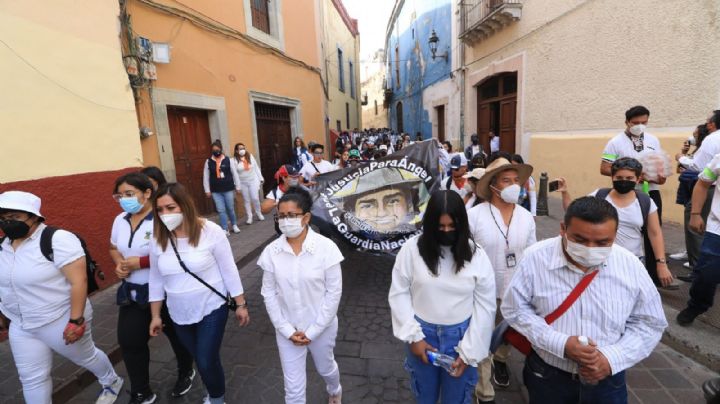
x: 216, y: 153
x: 624, y: 186
x: 14, y: 229
x: 447, y: 238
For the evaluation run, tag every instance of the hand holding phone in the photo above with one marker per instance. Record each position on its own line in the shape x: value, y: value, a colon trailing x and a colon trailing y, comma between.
x: 554, y: 185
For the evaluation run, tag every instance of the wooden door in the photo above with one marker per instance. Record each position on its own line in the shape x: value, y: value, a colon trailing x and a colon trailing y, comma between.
x: 399, y: 114
x: 483, y: 128
x: 190, y: 136
x: 507, y: 124
x: 274, y: 138
x: 441, y: 123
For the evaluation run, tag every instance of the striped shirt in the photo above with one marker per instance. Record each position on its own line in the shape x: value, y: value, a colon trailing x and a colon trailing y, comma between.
x: 621, y: 309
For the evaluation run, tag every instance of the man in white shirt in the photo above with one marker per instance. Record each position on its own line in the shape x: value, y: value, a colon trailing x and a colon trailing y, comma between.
x: 707, y: 268
x: 504, y: 230
x: 710, y: 146
x: 317, y: 165
x: 620, y: 312
x: 456, y: 181
x: 494, y: 142
x: 631, y: 143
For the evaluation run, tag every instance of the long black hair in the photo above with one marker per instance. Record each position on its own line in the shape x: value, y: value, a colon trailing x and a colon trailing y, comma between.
x: 445, y: 203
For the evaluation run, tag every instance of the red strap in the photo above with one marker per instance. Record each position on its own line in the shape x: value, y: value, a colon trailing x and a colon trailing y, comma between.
x: 572, y: 297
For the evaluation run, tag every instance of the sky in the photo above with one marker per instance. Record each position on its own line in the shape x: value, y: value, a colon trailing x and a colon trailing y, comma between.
x: 372, y: 16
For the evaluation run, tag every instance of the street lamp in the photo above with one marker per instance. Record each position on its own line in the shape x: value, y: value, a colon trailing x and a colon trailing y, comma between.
x: 433, y: 43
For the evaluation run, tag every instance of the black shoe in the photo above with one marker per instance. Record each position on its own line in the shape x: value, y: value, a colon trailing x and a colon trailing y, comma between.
x: 689, y: 278
x: 139, y: 398
x: 501, y: 374
x: 711, y: 389
x: 687, y: 316
x: 183, y: 384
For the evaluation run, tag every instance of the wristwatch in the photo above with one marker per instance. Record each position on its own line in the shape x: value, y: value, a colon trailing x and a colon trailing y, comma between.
x: 661, y: 261
x: 77, y: 321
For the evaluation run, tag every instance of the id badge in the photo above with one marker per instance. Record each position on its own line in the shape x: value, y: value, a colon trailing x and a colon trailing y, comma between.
x: 510, y: 259
x: 222, y: 175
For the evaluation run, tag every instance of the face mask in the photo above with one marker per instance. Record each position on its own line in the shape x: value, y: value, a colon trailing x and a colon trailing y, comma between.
x: 691, y: 141
x: 291, y: 228
x: 172, y: 220
x: 637, y: 130
x: 293, y: 182
x: 131, y: 205
x: 586, y: 256
x: 624, y: 186
x: 216, y: 153
x: 447, y: 238
x: 511, y: 194
x: 14, y: 229
x: 241, y: 152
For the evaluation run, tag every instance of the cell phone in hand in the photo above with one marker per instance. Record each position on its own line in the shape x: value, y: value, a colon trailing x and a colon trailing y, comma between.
x: 554, y: 185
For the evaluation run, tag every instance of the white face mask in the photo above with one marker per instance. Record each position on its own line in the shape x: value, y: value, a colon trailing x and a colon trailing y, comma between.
x: 241, y: 152
x: 511, y: 194
x: 293, y: 182
x: 291, y: 228
x: 637, y: 130
x: 586, y: 256
x: 172, y: 220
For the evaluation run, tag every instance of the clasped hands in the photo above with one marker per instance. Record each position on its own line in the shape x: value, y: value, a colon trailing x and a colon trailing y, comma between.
x: 594, y: 366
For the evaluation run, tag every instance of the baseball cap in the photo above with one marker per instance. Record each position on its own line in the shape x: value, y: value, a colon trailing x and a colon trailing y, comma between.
x: 20, y: 201
x: 458, y: 161
x: 383, y: 147
x: 354, y: 153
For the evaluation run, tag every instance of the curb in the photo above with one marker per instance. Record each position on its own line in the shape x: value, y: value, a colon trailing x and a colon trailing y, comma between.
x: 699, y: 341
x: 65, y: 392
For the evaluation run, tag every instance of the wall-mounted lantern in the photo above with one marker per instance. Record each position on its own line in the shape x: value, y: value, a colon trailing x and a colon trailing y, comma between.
x: 433, y: 42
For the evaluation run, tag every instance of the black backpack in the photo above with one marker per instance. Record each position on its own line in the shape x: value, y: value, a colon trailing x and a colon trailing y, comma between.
x: 643, y: 199
x: 91, y: 267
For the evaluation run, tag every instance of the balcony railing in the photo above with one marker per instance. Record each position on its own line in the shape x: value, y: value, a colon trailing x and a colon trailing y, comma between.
x: 482, y: 18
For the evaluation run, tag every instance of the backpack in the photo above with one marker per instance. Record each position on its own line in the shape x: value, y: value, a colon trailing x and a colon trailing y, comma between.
x: 643, y: 199
x: 91, y: 267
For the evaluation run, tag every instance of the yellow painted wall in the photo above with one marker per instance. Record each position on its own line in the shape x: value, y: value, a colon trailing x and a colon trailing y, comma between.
x: 207, y: 63
x: 66, y: 106
x: 577, y: 156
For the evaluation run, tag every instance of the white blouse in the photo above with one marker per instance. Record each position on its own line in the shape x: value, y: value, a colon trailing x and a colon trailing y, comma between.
x: 302, y: 292
x: 212, y: 260
x: 131, y: 243
x: 446, y: 299
x: 251, y: 174
x: 488, y: 232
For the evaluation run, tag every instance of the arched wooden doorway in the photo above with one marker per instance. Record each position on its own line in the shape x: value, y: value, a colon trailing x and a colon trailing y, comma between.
x: 497, y: 110
x: 399, y: 115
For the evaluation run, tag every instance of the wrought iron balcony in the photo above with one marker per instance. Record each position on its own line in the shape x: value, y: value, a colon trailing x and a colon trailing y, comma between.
x: 482, y: 18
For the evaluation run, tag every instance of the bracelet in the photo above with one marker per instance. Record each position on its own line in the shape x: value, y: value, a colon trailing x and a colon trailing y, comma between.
x: 242, y: 306
x: 695, y: 213
x: 661, y: 261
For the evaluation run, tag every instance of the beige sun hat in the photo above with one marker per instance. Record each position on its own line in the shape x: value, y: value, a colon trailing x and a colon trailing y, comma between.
x: 476, y: 173
x: 496, y: 167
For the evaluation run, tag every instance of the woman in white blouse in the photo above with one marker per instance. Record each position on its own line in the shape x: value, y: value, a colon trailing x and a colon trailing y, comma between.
x: 198, y: 312
x: 250, y: 181
x: 442, y: 299
x: 302, y: 285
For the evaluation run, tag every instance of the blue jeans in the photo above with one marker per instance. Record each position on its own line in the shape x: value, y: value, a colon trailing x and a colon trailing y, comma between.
x: 428, y: 382
x: 707, y: 274
x: 203, y: 340
x: 225, y: 205
x: 548, y: 384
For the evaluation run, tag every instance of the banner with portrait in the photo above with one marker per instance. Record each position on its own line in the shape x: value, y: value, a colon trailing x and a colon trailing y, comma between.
x: 377, y: 205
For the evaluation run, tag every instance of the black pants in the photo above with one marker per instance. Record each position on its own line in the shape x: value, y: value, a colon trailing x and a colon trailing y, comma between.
x: 655, y: 196
x: 694, y: 240
x: 133, y: 335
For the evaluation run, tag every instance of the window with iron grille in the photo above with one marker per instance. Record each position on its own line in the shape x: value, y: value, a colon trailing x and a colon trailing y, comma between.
x: 341, y: 71
x: 260, y: 15
x: 351, y: 75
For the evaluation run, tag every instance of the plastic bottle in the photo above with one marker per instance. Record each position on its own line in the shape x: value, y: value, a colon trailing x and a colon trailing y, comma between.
x: 441, y: 360
x: 583, y: 340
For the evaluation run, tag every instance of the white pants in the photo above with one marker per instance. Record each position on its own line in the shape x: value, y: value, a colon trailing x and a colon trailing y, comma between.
x: 32, y: 351
x: 293, y: 359
x: 251, y: 195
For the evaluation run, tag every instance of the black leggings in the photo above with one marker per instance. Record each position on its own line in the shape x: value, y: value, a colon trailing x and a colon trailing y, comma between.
x: 133, y: 333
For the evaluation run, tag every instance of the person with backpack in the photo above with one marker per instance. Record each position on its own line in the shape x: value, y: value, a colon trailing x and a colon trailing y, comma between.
x: 457, y: 181
x: 318, y: 165
x: 638, y: 219
x: 220, y: 181
x: 130, y: 239
x: 43, y: 297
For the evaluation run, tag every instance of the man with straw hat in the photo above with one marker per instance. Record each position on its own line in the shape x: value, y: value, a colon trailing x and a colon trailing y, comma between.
x: 504, y: 231
x: 472, y: 199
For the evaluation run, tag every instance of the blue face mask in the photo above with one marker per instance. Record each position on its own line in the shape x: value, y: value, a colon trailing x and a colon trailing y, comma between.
x: 131, y: 205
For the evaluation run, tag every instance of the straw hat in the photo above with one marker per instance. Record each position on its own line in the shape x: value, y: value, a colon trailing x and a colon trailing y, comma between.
x: 496, y: 167
x: 476, y: 173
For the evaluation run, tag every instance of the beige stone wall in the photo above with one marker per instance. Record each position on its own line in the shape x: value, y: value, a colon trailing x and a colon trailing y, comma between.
x: 373, y: 87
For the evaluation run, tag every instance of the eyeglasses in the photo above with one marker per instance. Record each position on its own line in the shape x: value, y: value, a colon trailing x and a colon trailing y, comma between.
x: 288, y: 216
x: 126, y: 194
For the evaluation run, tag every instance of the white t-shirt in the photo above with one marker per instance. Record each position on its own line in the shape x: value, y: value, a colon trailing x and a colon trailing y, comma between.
x: 708, y: 150
x: 629, y: 234
x: 710, y: 174
x: 33, y: 290
x: 453, y: 187
x: 621, y: 146
x: 309, y: 169
x: 133, y: 244
x: 495, y: 144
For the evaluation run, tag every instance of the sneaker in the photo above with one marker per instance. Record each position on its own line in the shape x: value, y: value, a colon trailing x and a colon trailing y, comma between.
x: 236, y: 229
x: 249, y: 220
x: 689, y: 278
x: 682, y: 255
x: 206, y: 400
x: 687, y: 265
x: 501, y: 374
x: 335, y: 398
x: 227, y: 233
x: 110, y: 393
x: 711, y: 389
x: 139, y: 398
x: 687, y: 316
x: 260, y: 216
x: 183, y: 384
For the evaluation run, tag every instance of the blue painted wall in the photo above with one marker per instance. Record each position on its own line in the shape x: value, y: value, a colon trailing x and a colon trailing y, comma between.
x: 411, y: 30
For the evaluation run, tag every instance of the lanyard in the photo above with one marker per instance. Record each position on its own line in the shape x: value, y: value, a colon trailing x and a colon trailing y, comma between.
x: 505, y: 236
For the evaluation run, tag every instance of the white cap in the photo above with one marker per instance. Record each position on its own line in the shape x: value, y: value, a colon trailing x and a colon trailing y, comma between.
x: 21, y: 201
x: 383, y: 147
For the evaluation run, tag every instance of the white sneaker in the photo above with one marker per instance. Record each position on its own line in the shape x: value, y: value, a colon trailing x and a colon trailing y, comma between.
x: 206, y: 399
x: 236, y: 229
x: 335, y: 399
x: 110, y: 393
x: 682, y: 255
x: 687, y: 265
x: 260, y: 217
x: 249, y: 220
x: 227, y: 233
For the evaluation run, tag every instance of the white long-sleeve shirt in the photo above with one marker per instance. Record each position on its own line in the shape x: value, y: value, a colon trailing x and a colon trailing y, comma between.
x: 620, y: 310
x: 188, y: 300
x: 302, y: 292
x: 251, y: 174
x: 446, y: 299
x: 233, y: 170
x: 489, y: 235
x: 708, y: 150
